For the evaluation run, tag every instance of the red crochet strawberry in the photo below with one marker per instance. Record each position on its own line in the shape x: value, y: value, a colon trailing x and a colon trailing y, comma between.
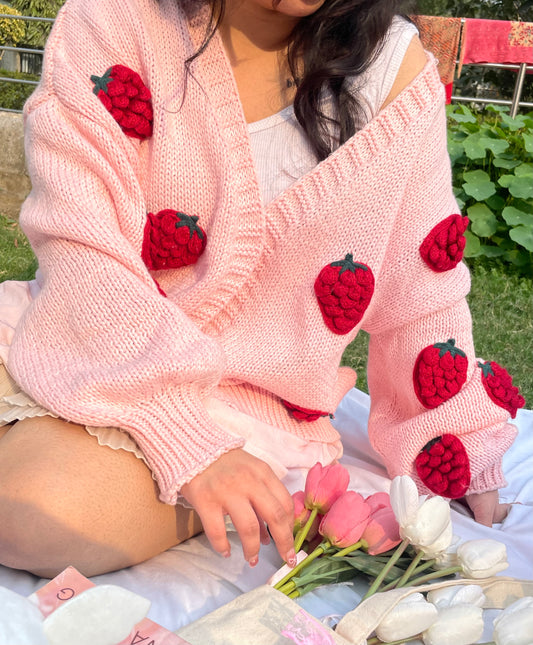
x: 127, y: 98
x: 344, y: 290
x: 172, y: 240
x: 499, y: 386
x: 444, y: 467
x: 443, y: 247
x: 440, y: 372
x: 303, y: 414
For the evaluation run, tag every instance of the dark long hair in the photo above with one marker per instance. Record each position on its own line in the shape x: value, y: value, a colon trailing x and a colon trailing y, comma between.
x: 337, y: 41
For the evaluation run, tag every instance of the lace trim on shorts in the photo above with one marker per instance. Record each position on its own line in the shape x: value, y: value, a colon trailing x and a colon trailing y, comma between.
x: 16, y: 405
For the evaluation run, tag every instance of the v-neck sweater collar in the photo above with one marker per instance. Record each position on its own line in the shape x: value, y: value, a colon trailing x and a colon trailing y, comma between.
x: 212, y: 70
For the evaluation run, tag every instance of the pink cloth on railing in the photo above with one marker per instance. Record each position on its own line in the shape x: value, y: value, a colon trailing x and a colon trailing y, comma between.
x: 497, y: 41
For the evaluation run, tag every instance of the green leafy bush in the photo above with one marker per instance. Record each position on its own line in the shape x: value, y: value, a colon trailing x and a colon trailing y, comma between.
x: 11, y: 31
x: 492, y: 164
x: 37, y: 32
x: 14, y: 95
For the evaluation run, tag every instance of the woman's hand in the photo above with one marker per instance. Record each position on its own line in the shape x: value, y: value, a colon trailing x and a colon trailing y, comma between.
x: 486, y: 507
x: 246, y: 489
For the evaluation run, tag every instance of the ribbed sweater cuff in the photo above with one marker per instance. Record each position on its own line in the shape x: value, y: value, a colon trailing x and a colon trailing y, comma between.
x: 178, y: 438
x: 489, y: 479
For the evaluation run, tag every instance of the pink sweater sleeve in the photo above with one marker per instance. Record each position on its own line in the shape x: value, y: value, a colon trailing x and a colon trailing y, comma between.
x: 420, y: 314
x: 100, y: 345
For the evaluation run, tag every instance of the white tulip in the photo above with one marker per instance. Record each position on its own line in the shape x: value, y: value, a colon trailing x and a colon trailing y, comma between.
x: 434, y: 550
x: 422, y: 520
x: 455, y: 625
x: 514, y: 626
x: 457, y: 595
x: 482, y: 558
x: 448, y: 558
x: 411, y: 616
x: 404, y: 499
x: 429, y: 523
x: 21, y: 622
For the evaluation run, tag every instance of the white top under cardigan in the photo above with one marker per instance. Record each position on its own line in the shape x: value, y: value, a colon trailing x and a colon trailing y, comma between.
x: 280, y: 149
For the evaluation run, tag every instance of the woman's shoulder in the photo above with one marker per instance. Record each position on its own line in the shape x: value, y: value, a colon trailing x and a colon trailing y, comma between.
x: 396, y: 62
x: 413, y: 62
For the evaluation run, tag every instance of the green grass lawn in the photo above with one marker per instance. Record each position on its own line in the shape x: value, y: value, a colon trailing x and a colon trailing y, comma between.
x: 501, y: 304
x: 17, y: 261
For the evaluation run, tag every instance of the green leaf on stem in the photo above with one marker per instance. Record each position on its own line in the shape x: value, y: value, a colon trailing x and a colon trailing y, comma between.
x: 524, y: 169
x: 372, y: 569
x: 508, y: 162
x: 478, y: 185
x: 516, y: 123
x: 461, y: 114
x: 528, y: 141
x: 473, y: 245
x: 492, y: 251
x: 455, y: 149
x: 497, y: 108
x: 473, y: 147
x: 496, y: 146
x: 496, y: 203
x: 483, y: 221
x: 519, y: 185
x: 516, y: 217
x: 522, y: 235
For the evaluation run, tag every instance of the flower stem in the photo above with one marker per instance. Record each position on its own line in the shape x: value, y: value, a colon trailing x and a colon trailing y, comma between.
x: 427, y: 565
x: 394, y: 558
x: 302, y: 533
x: 294, y: 594
x: 408, y: 572
x: 349, y: 549
x: 288, y: 587
x: 312, y: 556
x: 422, y: 567
x: 433, y: 575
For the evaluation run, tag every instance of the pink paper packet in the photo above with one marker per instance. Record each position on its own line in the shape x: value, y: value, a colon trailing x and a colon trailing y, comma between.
x: 71, y: 582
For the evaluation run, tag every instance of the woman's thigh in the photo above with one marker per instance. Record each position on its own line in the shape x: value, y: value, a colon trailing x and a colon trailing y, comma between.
x: 66, y: 500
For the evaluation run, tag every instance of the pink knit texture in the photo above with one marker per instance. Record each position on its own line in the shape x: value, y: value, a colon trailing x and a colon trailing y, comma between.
x: 102, y: 346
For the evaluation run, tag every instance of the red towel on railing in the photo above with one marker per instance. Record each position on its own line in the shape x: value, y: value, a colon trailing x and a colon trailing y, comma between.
x: 497, y: 41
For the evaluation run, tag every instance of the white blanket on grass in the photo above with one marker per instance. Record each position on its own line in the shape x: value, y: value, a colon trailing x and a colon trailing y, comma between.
x: 190, y: 580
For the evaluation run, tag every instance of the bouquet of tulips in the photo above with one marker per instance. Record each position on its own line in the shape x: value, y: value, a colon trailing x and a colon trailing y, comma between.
x: 395, y: 540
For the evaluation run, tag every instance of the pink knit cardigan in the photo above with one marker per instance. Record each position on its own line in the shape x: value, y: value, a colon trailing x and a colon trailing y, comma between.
x: 103, y: 345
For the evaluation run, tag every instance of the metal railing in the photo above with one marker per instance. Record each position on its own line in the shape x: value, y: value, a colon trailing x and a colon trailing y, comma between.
x: 514, y: 104
x: 21, y: 50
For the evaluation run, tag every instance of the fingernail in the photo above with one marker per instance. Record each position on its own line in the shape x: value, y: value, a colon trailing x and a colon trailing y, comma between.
x: 291, y: 558
x: 253, y: 561
x: 226, y: 554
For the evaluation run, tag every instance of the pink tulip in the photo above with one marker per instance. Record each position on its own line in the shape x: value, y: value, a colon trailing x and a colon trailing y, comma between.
x: 382, y: 532
x: 301, y: 513
x: 346, y: 520
x: 377, y: 501
x: 325, y: 484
